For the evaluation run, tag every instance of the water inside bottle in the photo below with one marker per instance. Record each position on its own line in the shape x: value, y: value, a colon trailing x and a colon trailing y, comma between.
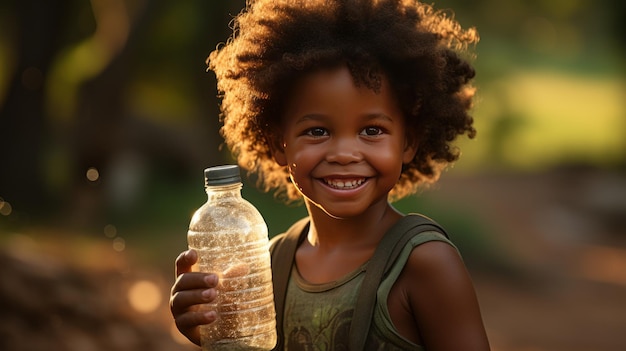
x: 244, y: 304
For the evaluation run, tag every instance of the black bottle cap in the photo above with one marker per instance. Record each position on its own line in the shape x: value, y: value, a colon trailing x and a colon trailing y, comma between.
x: 222, y: 175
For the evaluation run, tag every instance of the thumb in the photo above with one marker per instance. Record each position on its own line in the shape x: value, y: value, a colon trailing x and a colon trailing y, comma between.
x: 185, y: 261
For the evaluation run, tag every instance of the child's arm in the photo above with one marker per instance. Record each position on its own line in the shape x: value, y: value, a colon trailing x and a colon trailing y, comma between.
x: 190, y: 290
x: 443, y: 300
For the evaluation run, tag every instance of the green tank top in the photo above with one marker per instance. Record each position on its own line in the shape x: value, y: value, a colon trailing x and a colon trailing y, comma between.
x: 317, y: 316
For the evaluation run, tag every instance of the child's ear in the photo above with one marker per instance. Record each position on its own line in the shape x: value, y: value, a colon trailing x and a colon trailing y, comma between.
x: 410, y: 149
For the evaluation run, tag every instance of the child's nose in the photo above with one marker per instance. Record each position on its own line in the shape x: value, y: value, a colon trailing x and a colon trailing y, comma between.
x: 344, y: 151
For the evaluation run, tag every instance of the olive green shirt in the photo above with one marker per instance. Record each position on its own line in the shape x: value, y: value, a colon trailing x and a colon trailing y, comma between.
x: 317, y: 316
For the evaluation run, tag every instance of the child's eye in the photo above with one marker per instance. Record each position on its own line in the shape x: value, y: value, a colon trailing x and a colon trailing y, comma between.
x: 370, y: 131
x: 317, y: 132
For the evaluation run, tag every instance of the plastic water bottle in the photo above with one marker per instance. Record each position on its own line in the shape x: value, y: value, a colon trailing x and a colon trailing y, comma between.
x: 230, y: 237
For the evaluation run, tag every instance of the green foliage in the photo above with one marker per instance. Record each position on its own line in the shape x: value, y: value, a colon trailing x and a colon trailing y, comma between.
x: 549, y: 76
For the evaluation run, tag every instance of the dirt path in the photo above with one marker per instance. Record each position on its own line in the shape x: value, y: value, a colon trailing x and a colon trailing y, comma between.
x: 565, y: 233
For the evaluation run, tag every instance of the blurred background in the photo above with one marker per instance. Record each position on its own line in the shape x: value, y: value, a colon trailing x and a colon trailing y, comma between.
x: 108, y: 118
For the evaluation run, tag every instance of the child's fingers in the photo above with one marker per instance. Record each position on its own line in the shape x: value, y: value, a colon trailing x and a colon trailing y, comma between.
x: 195, y: 280
x: 188, y: 323
x: 184, y: 301
x: 192, y: 289
x: 191, y: 320
x: 185, y: 261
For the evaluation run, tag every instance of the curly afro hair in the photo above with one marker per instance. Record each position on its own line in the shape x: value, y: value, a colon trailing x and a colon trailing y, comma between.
x: 419, y: 49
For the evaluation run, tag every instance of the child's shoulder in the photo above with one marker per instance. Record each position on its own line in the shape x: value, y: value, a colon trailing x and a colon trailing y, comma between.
x: 427, y: 248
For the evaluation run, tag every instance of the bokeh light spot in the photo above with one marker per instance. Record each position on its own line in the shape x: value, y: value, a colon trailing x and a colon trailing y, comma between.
x: 119, y: 244
x: 93, y: 174
x: 144, y: 296
x: 110, y: 231
x: 5, y: 208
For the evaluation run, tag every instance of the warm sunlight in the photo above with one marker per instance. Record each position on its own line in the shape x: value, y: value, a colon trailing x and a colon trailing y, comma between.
x: 537, y: 118
x: 144, y: 296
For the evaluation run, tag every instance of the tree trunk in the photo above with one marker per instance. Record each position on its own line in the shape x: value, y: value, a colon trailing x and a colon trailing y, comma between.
x: 39, y: 25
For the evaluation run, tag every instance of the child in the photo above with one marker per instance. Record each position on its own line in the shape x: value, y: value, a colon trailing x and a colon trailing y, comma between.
x: 348, y: 104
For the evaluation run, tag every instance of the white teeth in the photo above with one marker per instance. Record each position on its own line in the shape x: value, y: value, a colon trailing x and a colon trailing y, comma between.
x: 344, y: 184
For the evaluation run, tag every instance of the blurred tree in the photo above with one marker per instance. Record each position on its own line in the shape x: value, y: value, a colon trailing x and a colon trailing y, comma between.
x: 72, y: 101
x: 39, y: 25
x: 109, y: 83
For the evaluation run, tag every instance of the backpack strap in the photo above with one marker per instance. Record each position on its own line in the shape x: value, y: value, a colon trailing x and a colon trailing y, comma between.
x: 283, y: 250
x: 384, y: 256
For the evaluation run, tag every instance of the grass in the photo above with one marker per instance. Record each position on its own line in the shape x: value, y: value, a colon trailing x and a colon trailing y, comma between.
x: 534, y: 118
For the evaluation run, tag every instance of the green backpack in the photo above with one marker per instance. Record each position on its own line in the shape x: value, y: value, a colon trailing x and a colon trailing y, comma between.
x: 283, y: 249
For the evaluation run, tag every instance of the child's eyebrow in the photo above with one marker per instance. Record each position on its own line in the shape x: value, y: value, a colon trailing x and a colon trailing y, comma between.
x: 311, y: 117
x: 383, y: 116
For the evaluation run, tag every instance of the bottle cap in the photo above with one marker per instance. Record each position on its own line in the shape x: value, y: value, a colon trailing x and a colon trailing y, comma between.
x: 222, y: 175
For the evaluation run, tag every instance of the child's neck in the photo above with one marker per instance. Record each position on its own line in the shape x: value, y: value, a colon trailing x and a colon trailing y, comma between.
x: 336, y: 247
x: 360, y: 232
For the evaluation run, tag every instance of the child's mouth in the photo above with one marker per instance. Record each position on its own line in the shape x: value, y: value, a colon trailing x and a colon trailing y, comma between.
x: 344, y: 184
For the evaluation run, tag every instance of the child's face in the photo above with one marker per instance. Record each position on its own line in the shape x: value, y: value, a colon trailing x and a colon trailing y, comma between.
x: 344, y: 145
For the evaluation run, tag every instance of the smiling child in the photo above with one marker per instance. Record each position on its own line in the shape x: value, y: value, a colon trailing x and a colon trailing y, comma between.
x: 348, y: 105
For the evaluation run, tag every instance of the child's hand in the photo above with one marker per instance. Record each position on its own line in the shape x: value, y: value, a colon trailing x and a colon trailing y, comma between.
x: 189, y: 290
